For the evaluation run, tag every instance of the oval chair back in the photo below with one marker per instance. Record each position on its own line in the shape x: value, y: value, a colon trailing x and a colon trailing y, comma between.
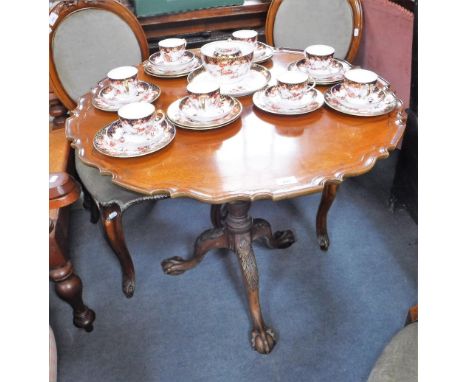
x: 86, y: 40
x: 300, y: 23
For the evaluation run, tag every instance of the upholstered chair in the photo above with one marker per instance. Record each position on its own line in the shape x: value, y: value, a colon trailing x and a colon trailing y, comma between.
x: 296, y: 24
x: 300, y: 23
x: 87, y: 39
x: 399, y: 359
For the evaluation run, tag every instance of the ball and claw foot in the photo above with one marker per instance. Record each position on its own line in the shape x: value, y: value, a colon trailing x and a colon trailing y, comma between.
x: 128, y: 287
x: 174, y: 266
x: 284, y: 239
x: 85, y: 320
x: 323, y: 241
x: 263, y: 341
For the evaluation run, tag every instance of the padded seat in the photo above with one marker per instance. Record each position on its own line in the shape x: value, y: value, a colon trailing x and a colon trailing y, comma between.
x: 101, y: 187
x: 399, y: 360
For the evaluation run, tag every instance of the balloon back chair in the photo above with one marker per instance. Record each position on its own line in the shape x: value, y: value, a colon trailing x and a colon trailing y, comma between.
x: 297, y: 24
x: 300, y: 23
x: 86, y: 40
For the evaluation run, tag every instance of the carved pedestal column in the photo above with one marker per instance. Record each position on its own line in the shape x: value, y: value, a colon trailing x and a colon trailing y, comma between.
x: 236, y: 232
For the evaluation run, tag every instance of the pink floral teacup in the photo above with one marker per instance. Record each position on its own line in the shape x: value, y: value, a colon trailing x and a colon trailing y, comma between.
x: 359, y: 84
x: 123, y: 81
x: 172, y: 49
x: 292, y: 85
x: 137, y: 117
x: 320, y: 57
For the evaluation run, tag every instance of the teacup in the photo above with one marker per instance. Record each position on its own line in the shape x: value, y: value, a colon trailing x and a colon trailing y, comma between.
x: 123, y: 81
x: 203, y: 96
x: 292, y: 85
x: 172, y: 49
x: 359, y: 84
x: 319, y: 57
x: 137, y: 117
x: 227, y: 60
x: 247, y: 35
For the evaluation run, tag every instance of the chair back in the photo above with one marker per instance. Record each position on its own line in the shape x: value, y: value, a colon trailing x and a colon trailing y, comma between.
x: 300, y: 23
x: 87, y: 39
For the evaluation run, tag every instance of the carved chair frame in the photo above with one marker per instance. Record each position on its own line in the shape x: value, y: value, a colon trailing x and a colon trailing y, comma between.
x: 357, y: 26
x: 65, y: 8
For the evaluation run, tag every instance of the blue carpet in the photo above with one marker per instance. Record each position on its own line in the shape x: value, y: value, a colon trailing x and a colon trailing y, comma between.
x: 333, y: 312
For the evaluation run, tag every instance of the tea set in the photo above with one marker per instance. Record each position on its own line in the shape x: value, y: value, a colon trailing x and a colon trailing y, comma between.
x: 225, y: 70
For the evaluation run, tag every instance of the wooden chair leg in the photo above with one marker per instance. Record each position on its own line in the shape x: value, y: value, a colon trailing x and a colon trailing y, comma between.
x: 111, y: 217
x: 328, y: 196
x: 68, y: 285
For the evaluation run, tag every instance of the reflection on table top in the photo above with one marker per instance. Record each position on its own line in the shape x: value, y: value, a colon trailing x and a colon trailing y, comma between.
x: 259, y: 156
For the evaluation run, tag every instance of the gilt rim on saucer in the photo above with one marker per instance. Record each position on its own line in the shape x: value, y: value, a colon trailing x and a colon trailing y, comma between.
x: 317, y: 104
x: 390, y: 99
x: 194, y: 125
x: 151, y: 70
x: 266, y: 57
x: 255, y: 68
x: 168, y: 65
x: 320, y: 81
x: 157, y: 145
x: 115, y: 107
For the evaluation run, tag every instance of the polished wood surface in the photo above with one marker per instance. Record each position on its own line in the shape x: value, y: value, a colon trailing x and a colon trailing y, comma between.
x: 64, y: 8
x: 63, y: 190
x: 357, y: 26
x: 260, y: 156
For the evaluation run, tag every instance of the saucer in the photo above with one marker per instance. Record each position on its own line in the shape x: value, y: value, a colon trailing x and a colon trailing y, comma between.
x: 257, y: 78
x: 270, y: 101
x: 383, y: 102
x: 156, y: 59
x: 106, y: 100
x: 175, y: 115
x: 113, y: 141
x: 169, y: 71
x: 262, y: 52
x: 334, y: 73
x: 223, y: 108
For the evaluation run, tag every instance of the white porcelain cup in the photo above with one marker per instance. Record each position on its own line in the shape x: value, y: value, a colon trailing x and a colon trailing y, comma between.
x: 123, y: 81
x: 203, y: 96
x: 292, y: 85
x: 137, y: 116
x: 359, y: 84
x: 320, y: 57
x: 172, y: 49
x: 247, y: 35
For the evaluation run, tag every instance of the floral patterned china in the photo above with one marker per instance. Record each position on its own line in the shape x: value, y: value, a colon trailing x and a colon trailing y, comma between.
x: 271, y: 101
x: 172, y: 49
x: 204, y: 102
x: 293, y: 85
x: 247, y: 35
x: 107, y: 100
x: 319, y: 56
x: 379, y: 102
x: 262, y: 52
x: 184, y: 61
x: 167, y: 71
x: 137, y: 117
x: 123, y: 81
x: 113, y: 141
x: 332, y: 74
x: 182, y: 114
x: 360, y: 85
x: 257, y: 78
x: 227, y: 61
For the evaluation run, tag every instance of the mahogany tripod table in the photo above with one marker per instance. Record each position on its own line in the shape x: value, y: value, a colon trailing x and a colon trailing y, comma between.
x: 259, y: 156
